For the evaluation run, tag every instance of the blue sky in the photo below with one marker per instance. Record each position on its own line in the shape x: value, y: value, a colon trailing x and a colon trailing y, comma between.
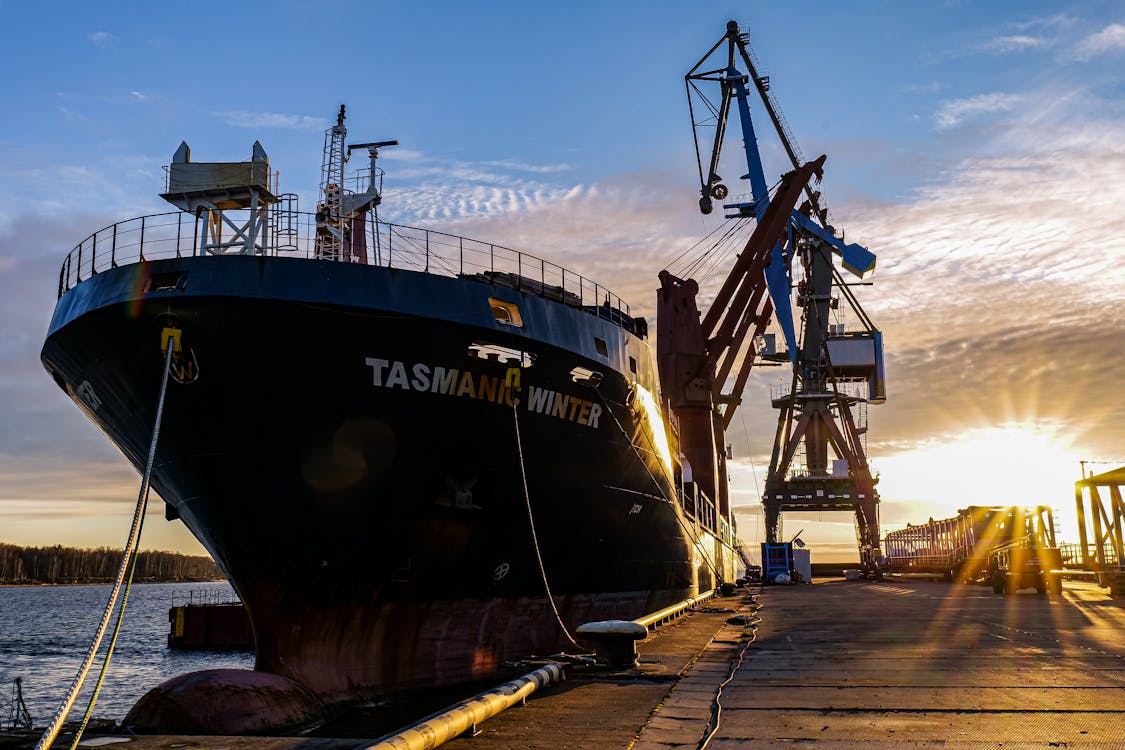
x: 975, y: 147
x: 113, y: 87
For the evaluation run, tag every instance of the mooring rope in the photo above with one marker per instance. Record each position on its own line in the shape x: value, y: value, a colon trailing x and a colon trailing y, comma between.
x: 52, y: 730
x: 112, y: 642
x: 531, y: 521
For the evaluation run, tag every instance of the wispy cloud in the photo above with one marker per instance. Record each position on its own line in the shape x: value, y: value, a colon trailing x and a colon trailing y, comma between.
x: 1057, y: 21
x: 1041, y: 32
x: 953, y: 112
x: 1110, y: 39
x: 138, y: 96
x: 1016, y: 43
x: 520, y: 166
x: 72, y: 115
x: 244, y: 119
x: 426, y: 189
x: 79, y: 486
x: 101, y: 38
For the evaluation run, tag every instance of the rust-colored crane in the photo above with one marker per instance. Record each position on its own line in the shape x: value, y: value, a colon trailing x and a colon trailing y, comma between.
x: 696, y: 353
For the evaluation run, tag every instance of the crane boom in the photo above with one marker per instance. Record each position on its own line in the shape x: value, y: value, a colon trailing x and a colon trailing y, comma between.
x: 689, y: 348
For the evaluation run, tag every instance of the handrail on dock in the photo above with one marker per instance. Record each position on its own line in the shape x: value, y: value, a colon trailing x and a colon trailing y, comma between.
x: 615, y: 640
x: 671, y: 612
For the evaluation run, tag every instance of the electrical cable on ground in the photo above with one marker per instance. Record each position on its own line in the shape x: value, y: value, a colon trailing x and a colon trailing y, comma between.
x: 717, y: 701
x: 531, y: 522
x: 52, y: 730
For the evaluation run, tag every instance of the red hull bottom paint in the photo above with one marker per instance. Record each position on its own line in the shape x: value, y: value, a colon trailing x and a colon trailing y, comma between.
x: 365, y: 653
x: 225, y: 701
x: 356, y: 654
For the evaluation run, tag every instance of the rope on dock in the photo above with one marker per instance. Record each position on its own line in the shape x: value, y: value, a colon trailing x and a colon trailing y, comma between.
x: 128, y: 557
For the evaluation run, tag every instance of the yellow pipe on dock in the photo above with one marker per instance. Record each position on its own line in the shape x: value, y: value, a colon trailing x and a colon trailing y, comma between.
x: 661, y: 616
x: 458, y: 719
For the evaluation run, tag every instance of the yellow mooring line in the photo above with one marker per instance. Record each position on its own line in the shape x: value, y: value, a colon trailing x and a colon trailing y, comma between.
x: 126, y: 567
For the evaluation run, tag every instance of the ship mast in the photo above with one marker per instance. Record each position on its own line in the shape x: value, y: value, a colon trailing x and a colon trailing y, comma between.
x: 329, y: 224
x: 341, y: 214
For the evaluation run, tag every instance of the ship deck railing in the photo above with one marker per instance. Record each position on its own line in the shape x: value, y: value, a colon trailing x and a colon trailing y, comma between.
x: 293, y: 234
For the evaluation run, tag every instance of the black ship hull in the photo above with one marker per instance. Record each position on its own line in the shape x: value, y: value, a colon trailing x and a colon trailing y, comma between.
x: 351, y: 444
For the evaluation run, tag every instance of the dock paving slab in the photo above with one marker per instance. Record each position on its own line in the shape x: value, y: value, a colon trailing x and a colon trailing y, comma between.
x: 870, y: 665
x: 598, y: 712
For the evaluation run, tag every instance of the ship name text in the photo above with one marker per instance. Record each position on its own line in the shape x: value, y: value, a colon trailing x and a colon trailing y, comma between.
x: 423, y: 378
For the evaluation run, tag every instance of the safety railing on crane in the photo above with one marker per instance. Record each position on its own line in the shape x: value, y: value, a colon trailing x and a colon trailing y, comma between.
x: 292, y: 234
x: 1073, y: 557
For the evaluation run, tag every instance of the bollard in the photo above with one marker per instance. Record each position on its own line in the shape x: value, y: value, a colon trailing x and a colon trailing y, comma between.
x: 615, y: 641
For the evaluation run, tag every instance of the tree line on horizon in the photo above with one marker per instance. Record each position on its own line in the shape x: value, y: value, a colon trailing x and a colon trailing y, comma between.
x: 60, y: 564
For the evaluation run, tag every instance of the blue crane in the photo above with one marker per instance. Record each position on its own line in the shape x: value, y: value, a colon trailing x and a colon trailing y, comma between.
x: 698, y: 351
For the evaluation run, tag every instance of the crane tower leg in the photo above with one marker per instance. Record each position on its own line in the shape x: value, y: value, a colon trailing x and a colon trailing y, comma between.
x: 816, y: 416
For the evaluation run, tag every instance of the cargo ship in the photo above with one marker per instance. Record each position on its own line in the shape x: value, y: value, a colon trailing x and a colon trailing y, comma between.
x: 406, y: 449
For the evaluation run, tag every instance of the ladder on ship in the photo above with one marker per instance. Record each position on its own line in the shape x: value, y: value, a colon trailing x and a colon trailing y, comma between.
x: 329, y: 225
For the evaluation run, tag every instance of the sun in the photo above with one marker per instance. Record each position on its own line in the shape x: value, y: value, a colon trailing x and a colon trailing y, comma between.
x: 1016, y: 463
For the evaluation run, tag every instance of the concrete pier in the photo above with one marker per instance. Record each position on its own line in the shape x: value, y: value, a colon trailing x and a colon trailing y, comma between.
x: 833, y: 665
x: 841, y: 665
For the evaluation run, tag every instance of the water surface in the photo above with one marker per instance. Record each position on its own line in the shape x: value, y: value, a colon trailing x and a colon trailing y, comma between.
x: 45, y: 632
